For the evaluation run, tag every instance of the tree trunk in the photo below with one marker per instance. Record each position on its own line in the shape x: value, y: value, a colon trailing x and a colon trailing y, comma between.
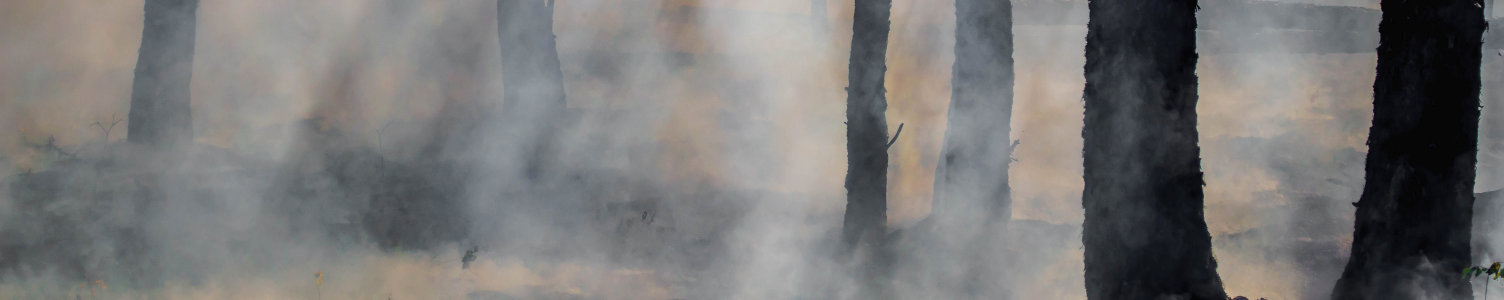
x: 864, y: 230
x: 971, y: 202
x: 159, y: 113
x: 1412, y: 229
x: 867, y: 126
x: 533, y: 84
x: 1144, y: 234
x: 972, y: 177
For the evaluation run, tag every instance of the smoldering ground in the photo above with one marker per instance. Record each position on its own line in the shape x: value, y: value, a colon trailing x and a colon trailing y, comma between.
x: 701, y: 155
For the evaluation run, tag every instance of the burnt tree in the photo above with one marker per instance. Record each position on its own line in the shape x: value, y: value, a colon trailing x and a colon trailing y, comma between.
x: 867, y: 126
x: 159, y: 112
x: 533, y: 85
x: 1413, y: 225
x: 864, y: 231
x: 971, y: 200
x: 1144, y: 234
x: 972, y: 176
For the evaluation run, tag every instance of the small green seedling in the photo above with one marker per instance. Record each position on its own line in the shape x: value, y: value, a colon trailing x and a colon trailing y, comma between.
x: 1492, y: 271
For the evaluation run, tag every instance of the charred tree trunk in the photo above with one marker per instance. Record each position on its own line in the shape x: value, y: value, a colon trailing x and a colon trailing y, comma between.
x: 864, y: 229
x: 867, y: 126
x: 1144, y: 234
x: 533, y: 84
x: 1413, y: 225
x: 971, y: 202
x: 159, y: 113
x: 972, y: 177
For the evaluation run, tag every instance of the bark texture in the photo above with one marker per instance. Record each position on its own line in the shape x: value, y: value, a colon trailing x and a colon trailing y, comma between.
x: 159, y: 113
x: 1413, y: 225
x: 1144, y: 233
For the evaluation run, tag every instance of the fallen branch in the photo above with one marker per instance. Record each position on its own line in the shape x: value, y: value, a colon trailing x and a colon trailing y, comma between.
x: 50, y: 146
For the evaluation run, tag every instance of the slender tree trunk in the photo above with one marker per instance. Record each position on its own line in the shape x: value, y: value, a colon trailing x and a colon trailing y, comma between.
x: 1413, y: 225
x: 864, y: 231
x: 867, y: 126
x: 159, y: 113
x: 1144, y: 234
x: 533, y: 84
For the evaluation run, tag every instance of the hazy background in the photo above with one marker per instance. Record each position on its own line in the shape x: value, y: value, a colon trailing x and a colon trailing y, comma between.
x: 719, y: 118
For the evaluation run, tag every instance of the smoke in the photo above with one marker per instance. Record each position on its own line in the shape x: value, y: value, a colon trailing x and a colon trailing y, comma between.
x: 701, y: 155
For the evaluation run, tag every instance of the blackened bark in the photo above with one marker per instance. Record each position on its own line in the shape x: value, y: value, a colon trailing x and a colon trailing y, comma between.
x: 1144, y: 233
x: 159, y: 113
x: 1413, y: 225
x: 533, y: 84
x: 972, y: 176
x: 867, y: 126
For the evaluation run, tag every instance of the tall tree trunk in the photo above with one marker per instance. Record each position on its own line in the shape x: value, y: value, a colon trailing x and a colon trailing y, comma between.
x: 159, y: 113
x: 533, y: 84
x: 1412, y: 230
x: 971, y: 180
x: 867, y: 126
x: 971, y: 202
x: 864, y: 230
x: 1144, y: 234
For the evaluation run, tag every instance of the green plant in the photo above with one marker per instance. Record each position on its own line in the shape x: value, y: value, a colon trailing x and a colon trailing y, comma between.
x: 1492, y: 271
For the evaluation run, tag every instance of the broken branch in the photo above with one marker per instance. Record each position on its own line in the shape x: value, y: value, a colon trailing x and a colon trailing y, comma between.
x: 895, y: 136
